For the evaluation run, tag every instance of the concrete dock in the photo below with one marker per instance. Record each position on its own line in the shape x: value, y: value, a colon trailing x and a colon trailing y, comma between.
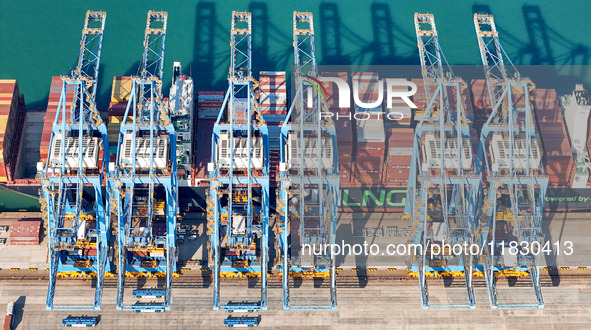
x: 372, y: 307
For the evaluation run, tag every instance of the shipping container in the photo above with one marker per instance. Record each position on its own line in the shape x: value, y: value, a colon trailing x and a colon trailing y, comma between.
x: 121, y: 89
x: 558, y: 160
x: 370, y: 130
x: 203, y: 146
x: 25, y: 232
x: 272, y: 82
x: 398, y: 116
x: 370, y: 150
x: 12, y: 122
x: 51, y: 112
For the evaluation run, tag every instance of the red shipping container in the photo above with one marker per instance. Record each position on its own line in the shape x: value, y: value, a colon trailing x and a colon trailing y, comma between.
x: 400, y: 134
x: 370, y: 150
x: 366, y: 179
x: 25, y: 231
x: 558, y: 165
x: 370, y: 166
x: 398, y: 161
x: 396, y: 174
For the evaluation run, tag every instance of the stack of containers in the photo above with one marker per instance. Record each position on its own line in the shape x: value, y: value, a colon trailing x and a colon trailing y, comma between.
x: 119, y: 98
x: 558, y: 158
x: 273, y: 107
x: 12, y: 120
x: 369, y: 163
x: 273, y: 166
x: 29, y: 152
x: 25, y: 232
x: 419, y: 99
x: 344, y: 131
x: 518, y: 98
x: 369, y: 125
x: 203, y: 148
x: 371, y: 134
x: 342, y: 119
x: 482, y: 107
x: 209, y: 104
x: 400, y: 114
x: 121, y: 90
x: 479, y: 92
x: 52, y: 107
x: 474, y: 140
x: 466, y: 102
x: 399, y: 157
x: 273, y: 96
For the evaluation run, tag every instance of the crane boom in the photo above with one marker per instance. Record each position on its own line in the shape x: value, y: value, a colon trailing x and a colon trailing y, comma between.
x: 309, y: 179
x: 443, y: 189
x: 72, y: 176
x: 143, y: 181
x: 238, y: 198
x: 510, y: 159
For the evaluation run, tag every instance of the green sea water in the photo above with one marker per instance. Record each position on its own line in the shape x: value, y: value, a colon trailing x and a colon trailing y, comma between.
x: 39, y: 39
x: 12, y: 201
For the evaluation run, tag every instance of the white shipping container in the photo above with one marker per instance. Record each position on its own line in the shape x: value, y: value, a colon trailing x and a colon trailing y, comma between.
x: 371, y: 131
x: 277, y: 98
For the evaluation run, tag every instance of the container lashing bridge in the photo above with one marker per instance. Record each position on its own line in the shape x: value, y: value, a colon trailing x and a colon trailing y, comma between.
x: 510, y: 158
x: 443, y: 189
x: 71, y: 196
x: 238, y: 197
x: 143, y: 180
x: 309, y: 180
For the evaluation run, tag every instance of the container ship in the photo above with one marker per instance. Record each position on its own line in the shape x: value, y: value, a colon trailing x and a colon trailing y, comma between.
x: 374, y: 155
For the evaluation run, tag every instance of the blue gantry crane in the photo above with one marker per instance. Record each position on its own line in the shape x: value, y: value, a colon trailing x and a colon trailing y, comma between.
x: 72, y: 176
x: 143, y: 180
x: 238, y: 197
x: 510, y: 159
x: 443, y: 189
x: 309, y: 180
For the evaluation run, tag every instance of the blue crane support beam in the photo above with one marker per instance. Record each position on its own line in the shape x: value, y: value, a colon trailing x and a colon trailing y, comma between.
x: 75, y: 219
x: 143, y: 180
x: 238, y: 197
x: 309, y: 179
x: 443, y: 189
x: 509, y: 158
